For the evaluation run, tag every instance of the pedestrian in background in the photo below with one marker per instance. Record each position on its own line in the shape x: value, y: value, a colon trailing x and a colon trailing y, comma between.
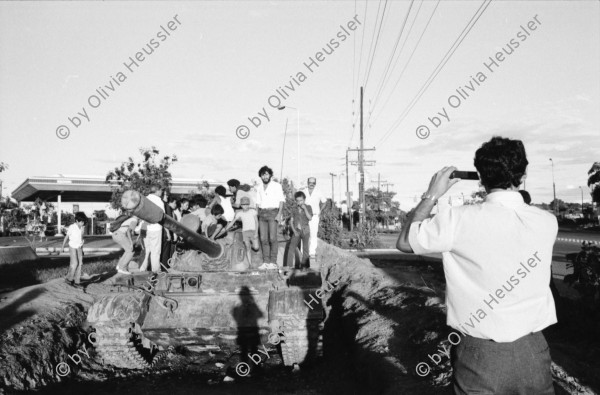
x: 315, y: 199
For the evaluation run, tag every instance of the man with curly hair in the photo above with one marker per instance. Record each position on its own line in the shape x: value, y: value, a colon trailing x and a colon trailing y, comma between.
x: 497, y: 258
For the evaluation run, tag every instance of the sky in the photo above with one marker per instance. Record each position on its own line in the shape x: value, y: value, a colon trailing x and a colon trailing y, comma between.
x: 223, y: 63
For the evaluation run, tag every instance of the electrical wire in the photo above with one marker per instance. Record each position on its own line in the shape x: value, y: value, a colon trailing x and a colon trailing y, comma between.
x: 440, y: 66
x: 389, y: 63
x: 366, y: 82
x: 407, y: 62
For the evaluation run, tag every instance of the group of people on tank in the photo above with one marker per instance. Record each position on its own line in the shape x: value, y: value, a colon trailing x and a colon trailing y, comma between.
x: 258, y: 212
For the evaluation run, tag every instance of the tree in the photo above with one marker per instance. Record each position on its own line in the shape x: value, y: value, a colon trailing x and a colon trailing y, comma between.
x: 380, y: 207
x: 594, y: 182
x: 3, y: 167
x: 140, y: 176
x: 562, y: 206
x: 288, y: 191
x: 477, y: 197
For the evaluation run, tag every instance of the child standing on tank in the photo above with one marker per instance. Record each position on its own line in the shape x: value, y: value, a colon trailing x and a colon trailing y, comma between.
x: 301, y: 216
x: 75, y: 239
x: 249, y: 220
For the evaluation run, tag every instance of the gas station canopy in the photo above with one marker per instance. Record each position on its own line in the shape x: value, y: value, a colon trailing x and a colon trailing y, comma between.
x: 84, y: 189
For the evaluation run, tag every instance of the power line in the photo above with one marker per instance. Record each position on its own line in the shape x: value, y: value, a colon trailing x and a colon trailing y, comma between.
x: 366, y: 82
x: 361, y: 46
x: 359, y: 67
x: 440, y: 66
x: 353, y: 79
x: 407, y: 62
x: 382, y: 81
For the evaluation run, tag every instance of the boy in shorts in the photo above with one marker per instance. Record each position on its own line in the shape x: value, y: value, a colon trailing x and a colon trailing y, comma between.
x: 75, y: 240
x: 249, y: 220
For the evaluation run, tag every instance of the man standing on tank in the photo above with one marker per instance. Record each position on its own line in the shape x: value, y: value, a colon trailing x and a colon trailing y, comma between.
x: 269, y: 200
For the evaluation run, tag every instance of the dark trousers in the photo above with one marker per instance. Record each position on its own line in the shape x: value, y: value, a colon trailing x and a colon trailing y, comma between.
x: 520, y: 367
x: 166, y: 251
x: 303, y: 235
x: 267, y: 229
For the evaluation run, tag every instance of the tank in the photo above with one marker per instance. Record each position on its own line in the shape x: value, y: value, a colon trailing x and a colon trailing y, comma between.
x: 207, y: 300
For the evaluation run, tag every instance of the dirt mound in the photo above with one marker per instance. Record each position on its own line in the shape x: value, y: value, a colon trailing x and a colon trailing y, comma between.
x: 32, y: 350
x: 393, y: 318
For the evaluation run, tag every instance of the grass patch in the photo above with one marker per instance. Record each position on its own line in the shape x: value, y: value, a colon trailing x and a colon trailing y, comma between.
x: 22, y: 274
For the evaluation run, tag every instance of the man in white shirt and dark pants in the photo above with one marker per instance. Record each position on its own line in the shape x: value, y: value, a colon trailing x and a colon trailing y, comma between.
x: 269, y: 200
x: 316, y: 200
x: 153, y: 242
x: 497, y: 257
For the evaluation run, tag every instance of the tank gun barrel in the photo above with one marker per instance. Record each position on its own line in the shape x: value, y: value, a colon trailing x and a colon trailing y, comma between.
x: 137, y: 204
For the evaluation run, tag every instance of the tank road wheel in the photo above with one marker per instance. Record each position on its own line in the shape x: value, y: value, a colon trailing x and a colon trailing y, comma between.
x: 120, y: 346
x: 301, y: 342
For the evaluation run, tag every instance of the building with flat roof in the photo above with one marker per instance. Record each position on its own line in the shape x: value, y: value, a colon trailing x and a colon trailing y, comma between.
x: 86, y: 189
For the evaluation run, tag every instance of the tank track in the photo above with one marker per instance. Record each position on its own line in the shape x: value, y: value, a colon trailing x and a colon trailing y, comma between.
x: 302, y: 341
x: 117, y: 345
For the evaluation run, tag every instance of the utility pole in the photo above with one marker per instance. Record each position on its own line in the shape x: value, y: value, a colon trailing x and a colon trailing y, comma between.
x: 348, y: 200
x: 387, y: 185
x: 355, y: 163
x: 361, y: 186
x: 332, y: 194
x: 554, y: 188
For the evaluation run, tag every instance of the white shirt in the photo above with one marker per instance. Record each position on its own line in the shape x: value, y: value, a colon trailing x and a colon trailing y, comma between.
x: 314, y: 199
x: 228, y: 212
x: 75, y: 236
x: 497, y: 258
x: 159, y: 202
x: 271, y: 197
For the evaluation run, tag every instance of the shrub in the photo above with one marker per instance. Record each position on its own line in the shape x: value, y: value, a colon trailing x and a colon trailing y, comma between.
x: 329, y: 224
x: 364, y: 236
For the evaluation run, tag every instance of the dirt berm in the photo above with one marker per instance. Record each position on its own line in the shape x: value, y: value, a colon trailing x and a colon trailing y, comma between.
x: 381, y: 323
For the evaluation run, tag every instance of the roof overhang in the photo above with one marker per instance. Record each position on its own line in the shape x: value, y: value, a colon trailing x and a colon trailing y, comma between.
x: 85, y: 189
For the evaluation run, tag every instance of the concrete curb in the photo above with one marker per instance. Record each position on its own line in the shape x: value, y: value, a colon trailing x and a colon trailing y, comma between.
x: 57, y: 250
x: 577, y: 240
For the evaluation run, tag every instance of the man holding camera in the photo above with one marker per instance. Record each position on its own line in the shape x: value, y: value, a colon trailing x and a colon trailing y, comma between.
x: 497, y: 294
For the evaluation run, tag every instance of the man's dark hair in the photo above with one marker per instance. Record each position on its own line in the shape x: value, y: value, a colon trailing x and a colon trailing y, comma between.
x: 265, y: 169
x: 183, y: 200
x: 217, y: 209
x: 526, y: 196
x: 233, y: 183
x: 501, y: 162
x: 299, y: 194
x: 221, y: 191
x: 200, y: 201
x: 80, y: 216
x: 173, y: 199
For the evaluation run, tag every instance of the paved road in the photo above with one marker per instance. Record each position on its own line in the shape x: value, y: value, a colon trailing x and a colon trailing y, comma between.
x: 566, y: 242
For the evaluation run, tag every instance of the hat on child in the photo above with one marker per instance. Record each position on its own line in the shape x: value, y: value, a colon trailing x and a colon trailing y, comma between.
x: 245, y: 200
